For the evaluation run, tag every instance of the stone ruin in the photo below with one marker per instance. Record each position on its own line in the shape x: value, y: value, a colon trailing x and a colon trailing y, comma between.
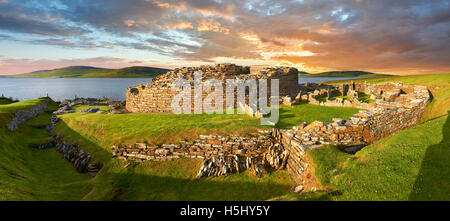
x: 387, y: 108
x: 156, y: 97
x: 395, y: 107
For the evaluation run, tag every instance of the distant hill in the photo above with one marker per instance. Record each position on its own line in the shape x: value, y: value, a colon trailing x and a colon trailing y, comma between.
x: 302, y: 73
x: 95, y: 72
x: 347, y: 74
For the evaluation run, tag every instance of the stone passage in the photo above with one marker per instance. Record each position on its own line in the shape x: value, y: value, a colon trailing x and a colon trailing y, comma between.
x: 156, y: 97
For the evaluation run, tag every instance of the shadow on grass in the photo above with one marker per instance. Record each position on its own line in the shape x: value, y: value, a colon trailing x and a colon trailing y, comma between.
x: 433, y: 181
x: 283, y: 122
x: 99, y: 154
x: 164, y: 188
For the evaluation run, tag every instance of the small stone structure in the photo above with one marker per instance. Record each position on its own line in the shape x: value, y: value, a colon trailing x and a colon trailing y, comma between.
x: 156, y: 97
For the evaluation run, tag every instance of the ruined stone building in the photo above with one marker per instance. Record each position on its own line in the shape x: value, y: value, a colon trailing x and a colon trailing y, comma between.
x: 156, y: 97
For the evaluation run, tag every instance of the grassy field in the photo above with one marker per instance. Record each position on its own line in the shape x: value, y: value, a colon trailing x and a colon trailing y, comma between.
x: 31, y: 174
x: 94, y: 72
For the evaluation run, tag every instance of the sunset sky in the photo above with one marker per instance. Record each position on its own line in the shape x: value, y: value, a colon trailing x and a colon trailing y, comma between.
x: 383, y: 36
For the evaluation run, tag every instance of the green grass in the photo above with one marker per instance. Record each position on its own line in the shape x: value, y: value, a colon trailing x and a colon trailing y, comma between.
x: 31, y: 174
x: 80, y: 107
x: 294, y: 115
x: 365, y: 98
x: 94, y: 72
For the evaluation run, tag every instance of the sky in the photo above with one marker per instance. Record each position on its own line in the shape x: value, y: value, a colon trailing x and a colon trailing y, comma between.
x: 383, y: 36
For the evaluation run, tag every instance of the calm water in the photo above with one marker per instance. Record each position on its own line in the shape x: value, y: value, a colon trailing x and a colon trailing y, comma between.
x: 67, y: 88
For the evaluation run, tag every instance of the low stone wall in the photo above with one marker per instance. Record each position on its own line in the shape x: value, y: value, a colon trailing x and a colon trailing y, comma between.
x: 222, y: 155
x: 75, y: 155
x: 24, y: 115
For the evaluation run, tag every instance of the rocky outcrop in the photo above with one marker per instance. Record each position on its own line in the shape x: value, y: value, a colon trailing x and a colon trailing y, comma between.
x: 23, y: 115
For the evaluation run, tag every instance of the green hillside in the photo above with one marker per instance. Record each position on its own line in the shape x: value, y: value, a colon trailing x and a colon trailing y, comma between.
x: 346, y: 74
x: 94, y: 72
x: 31, y: 174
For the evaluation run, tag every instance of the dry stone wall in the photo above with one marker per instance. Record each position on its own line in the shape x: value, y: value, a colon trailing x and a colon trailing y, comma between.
x: 396, y: 107
x: 222, y: 154
x: 156, y: 97
x: 23, y: 115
